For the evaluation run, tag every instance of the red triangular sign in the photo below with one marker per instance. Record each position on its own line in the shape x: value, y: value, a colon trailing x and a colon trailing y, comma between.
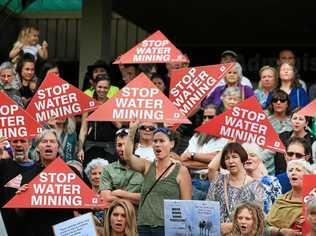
x: 189, y: 86
x: 57, y: 98
x: 309, y: 109
x: 57, y: 186
x: 139, y: 100
x: 309, y: 190
x: 247, y: 123
x: 15, y: 122
x: 154, y: 49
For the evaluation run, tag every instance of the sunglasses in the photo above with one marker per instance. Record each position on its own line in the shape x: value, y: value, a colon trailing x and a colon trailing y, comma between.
x: 208, y: 117
x: 121, y: 131
x: 148, y: 128
x: 275, y: 100
x: 297, y: 155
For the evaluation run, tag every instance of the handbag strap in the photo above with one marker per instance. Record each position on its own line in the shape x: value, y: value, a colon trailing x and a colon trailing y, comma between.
x: 151, y: 188
x: 226, y: 194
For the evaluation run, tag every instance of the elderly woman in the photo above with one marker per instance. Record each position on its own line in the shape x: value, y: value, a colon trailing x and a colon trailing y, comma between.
x: 230, y: 98
x: 94, y: 170
x: 255, y: 168
x: 233, y: 187
x: 285, y: 216
x: 232, y: 79
x: 279, y: 111
x: 311, y: 215
x: 120, y: 219
x: 268, y: 81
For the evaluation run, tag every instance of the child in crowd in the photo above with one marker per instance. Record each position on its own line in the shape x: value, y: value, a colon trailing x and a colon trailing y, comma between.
x: 28, y: 42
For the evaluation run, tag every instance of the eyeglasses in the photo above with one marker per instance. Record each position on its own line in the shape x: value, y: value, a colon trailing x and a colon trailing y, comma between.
x: 121, y: 131
x: 148, y: 128
x: 275, y: 100
x: 208, y: 117
x: 297, y: 155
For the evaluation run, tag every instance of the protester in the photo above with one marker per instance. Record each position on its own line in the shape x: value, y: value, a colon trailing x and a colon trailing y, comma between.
x: 96, y: 138
x: 129, y: 72
x: 144, y: 146
x: 285, y: 216
x: 163, y: 179
x: 311, y: 215
x: 28, y: 42
x: 120, y: 219
x: 232, y: 79
x: 11, y: 170
x: 255, y: 168
x: 118, y: 181
x: 296, y: 148
x: 248, y: 220
x: 9, y: 83
x: 290, y: 84
x: 230, y: 98
x: 201, y: 150
x: 160, y: 83
x: 279, y: 111
x: 47, y: 149
x: 99, y: 67
x: 268, y: 81
x: 26, y: 72
x: 233, y: 187
x: 48, y: 67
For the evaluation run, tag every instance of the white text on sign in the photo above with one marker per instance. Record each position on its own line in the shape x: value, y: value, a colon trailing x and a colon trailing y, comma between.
x: 153, y: 50
x: 11, y: 125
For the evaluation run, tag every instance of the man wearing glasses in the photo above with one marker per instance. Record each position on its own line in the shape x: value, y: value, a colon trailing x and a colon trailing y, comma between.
x: 117, y: 179
x: 144, y: 147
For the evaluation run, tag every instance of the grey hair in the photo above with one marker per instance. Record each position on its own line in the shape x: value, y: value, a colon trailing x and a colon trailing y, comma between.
x: 40, y: 137
x: 239, y: 69
x: 253, y: 148
x: 70, y: 125
x: 311, y: 204
x: 98, y: 162
x: 231, y: 91
x: 307, y: 168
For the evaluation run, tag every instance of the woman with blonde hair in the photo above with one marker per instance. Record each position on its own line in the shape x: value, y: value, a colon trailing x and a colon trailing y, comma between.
x: 248, y: 220
x: 120, y: 219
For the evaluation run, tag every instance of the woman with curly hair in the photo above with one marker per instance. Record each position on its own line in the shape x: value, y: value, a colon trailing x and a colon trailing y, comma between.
x: 248, y: 220
x: 120, y: 219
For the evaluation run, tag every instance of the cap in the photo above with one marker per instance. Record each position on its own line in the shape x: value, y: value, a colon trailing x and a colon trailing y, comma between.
x: 229, y: 52
x: 97, y: 64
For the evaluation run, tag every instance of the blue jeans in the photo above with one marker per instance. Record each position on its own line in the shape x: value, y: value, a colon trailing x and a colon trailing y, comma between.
x: 199, y: 189
x: 148, y: 230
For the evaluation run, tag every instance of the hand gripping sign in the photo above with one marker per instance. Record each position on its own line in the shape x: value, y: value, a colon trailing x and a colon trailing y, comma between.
x: 15, y: 122
x: 139, y: 100
x: 309, y: 109
x: 154, y: 49
x: 247, y: 123
x: 189, y: 86
x: 56, y: 98
x: 57, y: 186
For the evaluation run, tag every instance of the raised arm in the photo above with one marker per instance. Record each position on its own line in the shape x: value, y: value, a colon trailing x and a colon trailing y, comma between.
x: 82, y: 135
x: 43, y: 51
x: 138, y: 164
x: 214, y: 166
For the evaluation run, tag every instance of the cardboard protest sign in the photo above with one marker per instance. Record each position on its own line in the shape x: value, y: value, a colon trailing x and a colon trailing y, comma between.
x: 247, y: 123
x: 57, y: 98
x: 154, y: 49
x: 139, y: 100
x: 78, y: 226
x: 309, y: 109
x: 309, y: 190
x: 189, y: 86
x: 187, y: 217
x: 57, y: 186
x: 15, y: 122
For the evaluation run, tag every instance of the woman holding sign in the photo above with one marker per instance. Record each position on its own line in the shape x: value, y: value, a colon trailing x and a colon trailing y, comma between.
x: 235, y: 186
x: 163, y: 179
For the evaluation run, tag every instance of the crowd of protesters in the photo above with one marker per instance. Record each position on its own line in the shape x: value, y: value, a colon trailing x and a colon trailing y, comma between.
x: 135, y: 165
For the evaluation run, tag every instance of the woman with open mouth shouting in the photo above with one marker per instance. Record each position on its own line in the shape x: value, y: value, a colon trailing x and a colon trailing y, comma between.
x: 163, y: 179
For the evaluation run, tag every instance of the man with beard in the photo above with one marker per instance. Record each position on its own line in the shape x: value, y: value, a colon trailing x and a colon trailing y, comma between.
x: 201, y: 150
x: 117, y: 179
x: 10, y: 180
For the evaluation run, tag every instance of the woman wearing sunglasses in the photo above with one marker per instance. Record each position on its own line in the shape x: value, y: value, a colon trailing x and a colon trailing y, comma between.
x: 163, y: 179
x: 279, y: 111
x: 297, y: 148
x: 144, y: 146
x: 300, y: 128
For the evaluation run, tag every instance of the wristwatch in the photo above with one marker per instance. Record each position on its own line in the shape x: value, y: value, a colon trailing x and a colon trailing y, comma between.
x: 192, y: 155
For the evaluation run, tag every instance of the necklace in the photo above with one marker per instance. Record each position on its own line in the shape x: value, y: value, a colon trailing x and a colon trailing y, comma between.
x: 243, y: 182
